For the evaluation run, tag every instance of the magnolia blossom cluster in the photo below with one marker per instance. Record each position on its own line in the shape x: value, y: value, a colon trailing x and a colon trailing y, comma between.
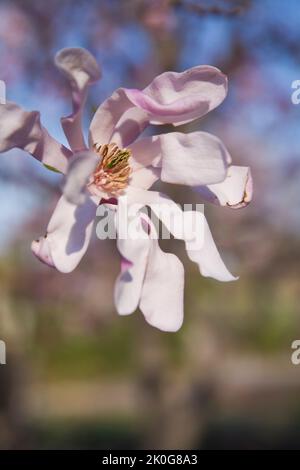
x: 120, y: 163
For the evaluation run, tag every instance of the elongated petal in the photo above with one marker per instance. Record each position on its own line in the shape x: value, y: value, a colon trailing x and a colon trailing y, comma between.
x: 128, y: 286
x: 150, y: 278
x: 163, y: 290
x: 190, y: 226
x: 22, y: 129
x: 107, y: 117
x: 146, y: 152
x: 178, y: 98
x: 235, y: 191
x: 42, y: 250
x: 189, y: 159
x: 81, y: 70
x: 129, y: 127
x: 80, y: 168
x: 145, y: 177
x: 204, y: 252
x: 68, y: 235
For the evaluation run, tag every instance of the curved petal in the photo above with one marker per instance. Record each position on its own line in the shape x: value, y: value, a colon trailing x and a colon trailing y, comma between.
x: 144, y: 177
x: 107, y: 117
x: 128, y: 286
x: 236, y: 191
x: 163, y: 289
x: 22, y: 129
x: 146, y: 152
x: 190, y: 226
x: 130, y: 125
x: 41, y: 249
x: 80, y: 169
x: 203, y: 251
x: 81, y: 70
x: 68, y: 235
x: 150, y: 278
x: 178, y: 98
x: 191, y: 159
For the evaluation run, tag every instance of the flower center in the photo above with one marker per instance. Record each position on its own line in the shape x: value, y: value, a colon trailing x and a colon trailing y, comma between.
x: 113, y: 171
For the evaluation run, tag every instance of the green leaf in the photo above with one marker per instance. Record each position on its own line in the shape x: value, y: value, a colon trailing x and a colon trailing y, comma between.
x: 51, y: 168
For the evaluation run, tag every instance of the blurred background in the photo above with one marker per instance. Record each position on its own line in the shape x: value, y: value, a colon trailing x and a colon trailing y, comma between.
x: 77, y: 375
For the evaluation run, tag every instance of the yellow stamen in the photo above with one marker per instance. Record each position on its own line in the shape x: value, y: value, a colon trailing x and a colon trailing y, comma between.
x: 113, y: 171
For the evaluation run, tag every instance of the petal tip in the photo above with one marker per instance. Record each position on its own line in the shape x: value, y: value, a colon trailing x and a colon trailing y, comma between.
x: 72, y: 59
x: 40, y: 249
x: 166, y: 327
x: 247, y: 196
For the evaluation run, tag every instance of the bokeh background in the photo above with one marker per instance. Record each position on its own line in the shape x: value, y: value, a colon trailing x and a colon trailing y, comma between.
x: 77, y: 375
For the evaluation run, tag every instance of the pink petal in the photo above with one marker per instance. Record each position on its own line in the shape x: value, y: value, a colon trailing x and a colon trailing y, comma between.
x: 81, y: 70
x: 68, y: 235
x: 146, y: 152
x: 207, y: 256
x: 181, y: 97
x: 107, y: 117
x: 163, y: 288
x: 41, y: 250
x: 129, y: 283
x: 189, y: 159
x: 151, y: 278
x: 80, y: 168
x: 235, y: 191
x: 145, y: 177
x: 23, y: 129
x: 130, y: 125
x: 200, y: 246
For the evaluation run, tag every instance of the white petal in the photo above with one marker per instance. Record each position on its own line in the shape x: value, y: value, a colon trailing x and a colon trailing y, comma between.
x: 107, y: 117
x: 235, y: 191
x: 81, y: 167
x: 150, y: 278
x: 163, y: 290
x: 191, y: 159
x: 22, y: 129
x: 205, y: 253
x: 131, y: 124
x: 190, y: 226
x: 144, y: 177
x: 178, y: 98
x: 68, y: 235
x: 81, y: 70
x: 129, y: 283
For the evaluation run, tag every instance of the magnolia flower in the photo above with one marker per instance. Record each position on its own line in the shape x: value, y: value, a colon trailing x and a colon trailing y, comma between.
x: 115, y: 164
